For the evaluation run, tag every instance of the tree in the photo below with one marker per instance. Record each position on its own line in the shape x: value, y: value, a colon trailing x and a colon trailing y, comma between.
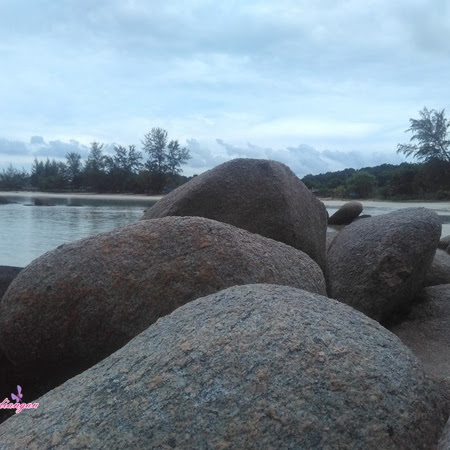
x: 74, y: 169
x: 124, y: 166
x: 13, y: 179
x: 154, y: 144
x: 96, y: 160
x: 361, y: 183
x: 163, y: 158
x: 51, y: 175
x: 94, y: 169
x: 431, y: 134
x: 176, y: 156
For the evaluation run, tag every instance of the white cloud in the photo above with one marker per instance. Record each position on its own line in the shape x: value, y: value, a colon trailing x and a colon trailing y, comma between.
x: 343, y: 76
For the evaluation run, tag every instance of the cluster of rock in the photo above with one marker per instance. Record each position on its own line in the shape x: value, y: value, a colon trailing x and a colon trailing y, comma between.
x: 221, y: 321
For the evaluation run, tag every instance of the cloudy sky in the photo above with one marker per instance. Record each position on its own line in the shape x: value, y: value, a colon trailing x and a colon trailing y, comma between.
x: 317, y: 84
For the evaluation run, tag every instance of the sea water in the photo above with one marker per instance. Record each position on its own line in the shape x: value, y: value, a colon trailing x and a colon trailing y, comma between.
x: 28, y: 231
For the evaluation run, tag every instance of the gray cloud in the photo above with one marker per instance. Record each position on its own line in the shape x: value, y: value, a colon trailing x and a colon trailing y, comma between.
x: 273, y: 73
x: 38, y: 147
x: 37, y: 140
x: 13, y: 147
x: 305, y: 159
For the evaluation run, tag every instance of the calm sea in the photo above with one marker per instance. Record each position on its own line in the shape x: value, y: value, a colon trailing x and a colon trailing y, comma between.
x: 28, y: 231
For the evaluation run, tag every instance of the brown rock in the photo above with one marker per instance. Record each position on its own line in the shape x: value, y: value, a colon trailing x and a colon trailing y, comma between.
x: 263, y: 197
x: 79, y: 303
x: 346, y: 214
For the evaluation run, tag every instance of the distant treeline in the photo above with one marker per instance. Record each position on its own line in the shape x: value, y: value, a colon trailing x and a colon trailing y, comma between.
x: 123, y: 171
x: 407, y: 181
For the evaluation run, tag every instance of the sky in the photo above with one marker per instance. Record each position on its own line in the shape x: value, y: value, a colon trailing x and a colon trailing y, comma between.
x: 319, y: 85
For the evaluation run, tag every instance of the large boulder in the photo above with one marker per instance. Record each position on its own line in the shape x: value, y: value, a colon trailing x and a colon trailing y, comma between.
x: 264, y: 197
x: 257, y: 366
x: 77, y: 304
x: 439, y: 271
x: 378, y: 264
x: 346, y: 214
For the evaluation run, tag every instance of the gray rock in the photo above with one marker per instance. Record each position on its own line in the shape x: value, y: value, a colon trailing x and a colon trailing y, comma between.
x: 346, y: 214
x: 426, y: 329
x: 444, y: 242
x: 439, y: 271
x: 263, y: 197
x: 4, y: 200
x: 363, y: 216
x: 43, y: 201
x: 258, y: 367
x: 331, y: 234
x: 378, y: 264
x: 444, y: 442
x: 79, y: 303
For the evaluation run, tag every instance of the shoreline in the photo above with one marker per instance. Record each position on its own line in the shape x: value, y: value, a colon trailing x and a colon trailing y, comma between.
x: 35, y: 194
x: 443, y: 205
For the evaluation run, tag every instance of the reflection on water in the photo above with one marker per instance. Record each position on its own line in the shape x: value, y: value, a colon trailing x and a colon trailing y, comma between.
x: 28, y: 231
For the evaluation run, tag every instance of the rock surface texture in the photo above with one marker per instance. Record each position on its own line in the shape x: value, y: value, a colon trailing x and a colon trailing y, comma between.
x: 377, y: 265
x: 77, y: 304
x: 444, y: 242
x: 426, y: 330
x: 439, y: 271
x: 256, y: 366
x: 346, y: 214
x: 444, y: 442
x: 263, y: 197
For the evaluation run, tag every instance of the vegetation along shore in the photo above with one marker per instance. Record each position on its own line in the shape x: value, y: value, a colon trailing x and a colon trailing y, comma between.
x: 125, y: 170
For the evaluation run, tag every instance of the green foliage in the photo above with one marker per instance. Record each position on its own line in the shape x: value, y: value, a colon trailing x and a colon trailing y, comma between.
x: 386, y: 181
x: 176, y: 156
x: 94, y: 173
x: 12, y: 179
x: 48, y: 175
x: 430, y: 133
x: 74, y: 169
x: 123, y: 168
x: 361, y: 184
x: 163, y: 158
x: 119, y: 170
